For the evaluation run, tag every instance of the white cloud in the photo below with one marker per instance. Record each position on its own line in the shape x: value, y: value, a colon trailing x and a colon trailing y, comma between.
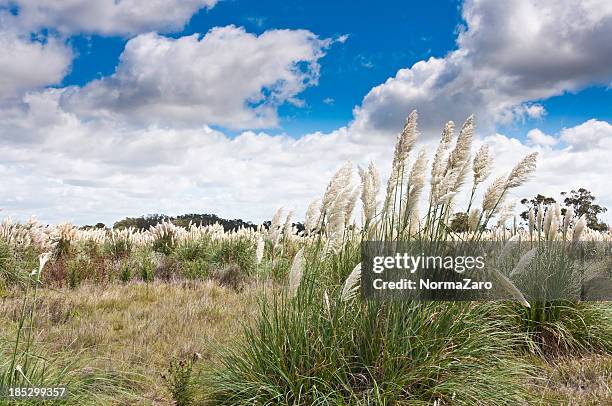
x: 228, y: 77
x: 140, y: 140
x: 537, y: 137
x: 565, y: 168
x: 62, y: 167
x: 511, y: 53
x: 27, y: 64
x: 590, y: 135
x: 107, y: 17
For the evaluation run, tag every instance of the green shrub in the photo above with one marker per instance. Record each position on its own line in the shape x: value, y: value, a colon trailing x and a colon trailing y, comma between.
x: 316, y: 349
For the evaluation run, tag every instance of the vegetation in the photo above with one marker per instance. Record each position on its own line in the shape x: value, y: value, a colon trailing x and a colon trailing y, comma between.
x: 162, y: 310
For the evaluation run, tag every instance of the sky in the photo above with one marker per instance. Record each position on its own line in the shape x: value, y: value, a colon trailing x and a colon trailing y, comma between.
x: 121, y: 108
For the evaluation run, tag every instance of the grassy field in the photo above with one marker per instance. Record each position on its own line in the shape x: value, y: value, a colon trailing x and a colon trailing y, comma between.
x: 133, y: 332
x: 272, y: 316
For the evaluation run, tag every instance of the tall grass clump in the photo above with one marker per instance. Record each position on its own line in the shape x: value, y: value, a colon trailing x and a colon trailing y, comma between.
x: 319, y: 343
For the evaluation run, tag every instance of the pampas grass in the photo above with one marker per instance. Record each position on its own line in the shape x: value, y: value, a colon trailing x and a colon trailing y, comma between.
x: 351, y: 285
x: 296, y: 273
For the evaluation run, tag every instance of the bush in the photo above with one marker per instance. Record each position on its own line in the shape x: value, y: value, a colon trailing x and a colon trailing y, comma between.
x: 315, y: 350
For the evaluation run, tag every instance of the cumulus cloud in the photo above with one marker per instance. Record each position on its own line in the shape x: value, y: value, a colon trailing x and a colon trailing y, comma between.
x: 509, y: 54
x: 62, y: 167
x: 83, y: 170
x: 228, y: 77
x: 142, y: 140
x: 537, y: 137
x: 27, y: 64
x: 106, y: 17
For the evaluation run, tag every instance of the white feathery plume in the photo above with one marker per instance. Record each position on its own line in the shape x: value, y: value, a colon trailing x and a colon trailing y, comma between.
x: 275, y: 224
x: 447, y: 197
x: 416, y: 181
x: 461, y: 152
x: 369, y: 192
x: 351, y: 201
x: 579, y: 228
x: 288, y: 224
x: 558, y: 212
x: 296, y: 272
x: 374, y: 179
x: 438, y: 165
x: 508, y: 246
x: 524, y: 262
x: 540, y: 216
x: 531, y: 221
x: 548, y: 219
x: 335, y: 226
x: 313, y: 214
x: 351, y: 285
x: 554, y: 227
x: 259, y: 251
x: 338, y: 182
x: 494, y: 194
x: 482, y: 165
x: 405, y: 142
x: 567, y: 219
x: 461, y: 176
x: 510, y: 288
x: 522, y: 171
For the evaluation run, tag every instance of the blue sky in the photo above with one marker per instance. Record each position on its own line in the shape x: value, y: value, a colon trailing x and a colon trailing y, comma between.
x: 111, y: 109
x: 381, y: 41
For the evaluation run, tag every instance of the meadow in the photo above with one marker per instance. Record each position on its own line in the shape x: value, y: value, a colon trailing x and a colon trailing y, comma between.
x: 272, y: 316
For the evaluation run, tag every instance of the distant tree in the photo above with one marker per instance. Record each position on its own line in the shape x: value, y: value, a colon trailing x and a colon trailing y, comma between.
x: 89, y: 227
x: 534, y: 203
x: 143, y: 222
x: 582, y: 202
x: 459, y: 222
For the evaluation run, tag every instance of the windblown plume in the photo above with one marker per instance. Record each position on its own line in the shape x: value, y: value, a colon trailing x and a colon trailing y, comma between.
x: 336, y: 225
x: 296, y: 272
x: 579, y: 228
x: 494, y: 194
x: 567, y: 220
x: 338, y: 182
x: 438, y: 165
x: 548, y: 220
x: 405, y: 142
x: 554, y: 228
x: 511, y: 243
x: 351, y: 285
x: 482, y: 165
x: 461, y: 153
x: 313, y: 214
x: 509, y: 287
x: 287, y: 227
x: 350, y: 205
x: 558, y: 212
x: 370, y: 186
x: 522, y: 171
x: 540, y: 217
x: 259, y: 251
x: 273, y: 231
x: 416, y: 181
x: 523, y: 263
